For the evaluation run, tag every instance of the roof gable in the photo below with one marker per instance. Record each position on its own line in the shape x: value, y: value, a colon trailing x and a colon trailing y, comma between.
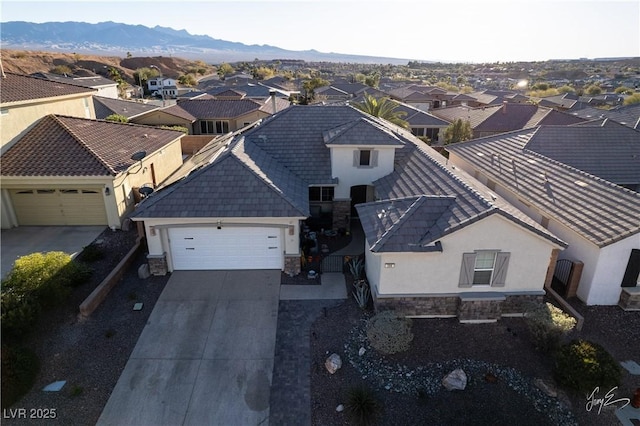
x: 219, y: 108
x: 21, y: 88
x: 69, y: 146
x: 361, y: 132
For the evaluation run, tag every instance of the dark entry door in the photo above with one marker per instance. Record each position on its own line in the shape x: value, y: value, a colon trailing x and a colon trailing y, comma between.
x: 630, y: 278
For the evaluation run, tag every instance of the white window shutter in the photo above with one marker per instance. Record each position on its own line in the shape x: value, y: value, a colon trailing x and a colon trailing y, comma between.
x: 466, y: 271
x: 500, y: 270
x: 374, y: 158
x: 356, y: 158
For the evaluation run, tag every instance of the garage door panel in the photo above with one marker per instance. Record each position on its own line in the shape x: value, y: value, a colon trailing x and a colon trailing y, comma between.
x: 82, y: 206
x: 225, y: 248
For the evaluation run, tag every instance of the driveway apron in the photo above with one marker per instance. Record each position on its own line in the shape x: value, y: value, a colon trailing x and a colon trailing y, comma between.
x: 205, y: 356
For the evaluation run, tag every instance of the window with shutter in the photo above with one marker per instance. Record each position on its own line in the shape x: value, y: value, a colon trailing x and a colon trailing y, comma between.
x: 484, y: 268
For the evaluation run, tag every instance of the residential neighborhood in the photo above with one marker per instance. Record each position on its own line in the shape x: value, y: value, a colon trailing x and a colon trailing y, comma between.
x: 246, y: 211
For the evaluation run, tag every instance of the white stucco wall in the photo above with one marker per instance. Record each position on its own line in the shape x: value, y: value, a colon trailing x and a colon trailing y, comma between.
x: 349, y: 175
x: 439, y: 272
x: 158, y: 242
x: 605, y: 284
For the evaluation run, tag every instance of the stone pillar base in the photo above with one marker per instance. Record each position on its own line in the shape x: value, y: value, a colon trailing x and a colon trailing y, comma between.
x: 630, y: 299
x: 158, y: 264
x: 341, y: 215
x: 292, y: 265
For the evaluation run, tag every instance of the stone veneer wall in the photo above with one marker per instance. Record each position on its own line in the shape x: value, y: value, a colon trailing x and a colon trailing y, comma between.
x: 467, y: 309
x: 341, y: 214
x: 157, y: 264
x: 292, y: 265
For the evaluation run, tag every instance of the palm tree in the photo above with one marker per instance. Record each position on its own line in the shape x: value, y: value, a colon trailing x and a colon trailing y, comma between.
x: 382, y: 108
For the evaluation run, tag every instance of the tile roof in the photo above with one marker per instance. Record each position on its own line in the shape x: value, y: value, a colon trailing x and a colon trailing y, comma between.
x: 246, y: 90
x: 219, y: 108
x: 599, y: 210
x: 177, y: 111
x: 417, y: 117
x: 93, y: 82
x: 69, y: 146
x: 475, y: 116
x: 422, y: 171
x: 609, y: 152
x: 361, y: 131
x: 20, y: 88
x: 629, y: 115
x: 106, y: 106
x: 243, y: 182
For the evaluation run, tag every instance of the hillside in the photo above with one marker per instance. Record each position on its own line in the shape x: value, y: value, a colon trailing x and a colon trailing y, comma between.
x: 29, y: 62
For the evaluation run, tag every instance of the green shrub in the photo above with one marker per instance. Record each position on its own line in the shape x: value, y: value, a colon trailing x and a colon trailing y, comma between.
x: 389, y: 333
x: 548, y: 325
x: 20, y: 367
x: 362, y: 405
x: 37, y: 281
x: 91, y: 253
x: 583, y: 365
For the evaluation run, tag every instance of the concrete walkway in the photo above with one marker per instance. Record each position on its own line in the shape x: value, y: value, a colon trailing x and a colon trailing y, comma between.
x: 206, y: 355
x: 24, y: 240
x: 332, y: 286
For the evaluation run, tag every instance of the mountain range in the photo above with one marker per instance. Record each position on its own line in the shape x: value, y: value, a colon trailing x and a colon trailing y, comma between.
x: 119, y: 39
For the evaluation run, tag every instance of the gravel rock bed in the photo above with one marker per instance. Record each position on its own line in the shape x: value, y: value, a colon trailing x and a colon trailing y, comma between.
x: 89, y: 354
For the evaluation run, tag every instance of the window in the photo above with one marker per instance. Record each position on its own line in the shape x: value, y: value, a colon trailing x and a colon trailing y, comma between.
x: 484, y: 267
x: 153, y: 83
x: 213, y: 127
x: 321, y: 193
x: 4, y: 111
x: 365, y: 158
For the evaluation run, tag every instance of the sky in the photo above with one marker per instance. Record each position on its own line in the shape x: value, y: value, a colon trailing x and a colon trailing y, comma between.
x: 438, y: 30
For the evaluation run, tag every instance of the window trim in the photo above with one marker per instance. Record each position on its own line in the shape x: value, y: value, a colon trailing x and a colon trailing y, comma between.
x: 357, y: 158
x: 326, y: 196
x: 498, y: 274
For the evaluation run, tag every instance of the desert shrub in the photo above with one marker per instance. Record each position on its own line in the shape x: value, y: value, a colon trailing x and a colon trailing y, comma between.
x: 91, y: 253
x: 582, y: 366
x: 19, y: 370
x: 548, y: 325
x: 362, y: 405
x: 37, y: 281
x: 361, y: 293
x: 389, y: 333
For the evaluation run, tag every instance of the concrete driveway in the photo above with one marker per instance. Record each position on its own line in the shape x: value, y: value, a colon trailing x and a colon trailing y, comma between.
x: 205, y: 356
x: 23, y: 240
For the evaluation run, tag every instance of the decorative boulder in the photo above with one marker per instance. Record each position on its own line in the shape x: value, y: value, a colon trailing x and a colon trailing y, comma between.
x: 333, y: 363
x: 546, y: 387
x: 456, y: 380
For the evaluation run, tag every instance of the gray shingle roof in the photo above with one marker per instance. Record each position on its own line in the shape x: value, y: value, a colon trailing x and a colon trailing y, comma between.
x: 629, y: 115
x: 219, y: 108
x: 106, y: 106
x: 243, y: 182
x: 611, y: 153
x: 599, y: 210
x: 361, y: 131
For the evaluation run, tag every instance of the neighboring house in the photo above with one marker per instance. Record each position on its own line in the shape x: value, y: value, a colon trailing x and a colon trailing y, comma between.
x: 495, y: 97
x: 424, y: 124
x: 629, y: 115
x: 105, y: 107
x: 105, y: 87
x: 536, y: 170
x: 340, y: 91
x: 438, y: 243
x: 163, y: 85
x: 422, y: 97
x: 215, y: 116
x: 172, y: 115
x: 250, y: 91
x: 24, y: 100
x: 76, y: 171
x: 496, y: 119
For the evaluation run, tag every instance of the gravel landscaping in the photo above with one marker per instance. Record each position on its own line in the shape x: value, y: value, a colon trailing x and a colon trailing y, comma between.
x: 90, y: 355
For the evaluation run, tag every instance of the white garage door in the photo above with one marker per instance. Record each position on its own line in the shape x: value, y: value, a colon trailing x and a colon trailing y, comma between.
x: 225, y: 248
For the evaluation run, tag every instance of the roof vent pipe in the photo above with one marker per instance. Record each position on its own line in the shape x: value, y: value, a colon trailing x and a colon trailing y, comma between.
x: 504, y: 107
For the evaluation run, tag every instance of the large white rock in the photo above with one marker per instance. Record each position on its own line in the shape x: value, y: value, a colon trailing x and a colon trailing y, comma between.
x: 333, y: 363
x: 456, y: 380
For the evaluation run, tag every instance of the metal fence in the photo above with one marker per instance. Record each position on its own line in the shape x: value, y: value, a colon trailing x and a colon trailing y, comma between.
x: 336, y: 262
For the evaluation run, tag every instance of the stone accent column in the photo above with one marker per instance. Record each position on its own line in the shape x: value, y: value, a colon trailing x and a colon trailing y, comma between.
x: 158, y: 264
x: 292, y: 264
x: 480, y: 307
x: 341, y: 214
x: 630, y: 299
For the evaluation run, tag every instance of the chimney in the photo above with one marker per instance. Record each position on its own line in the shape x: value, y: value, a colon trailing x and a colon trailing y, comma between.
x: 272, y: 93
x: 504, y: 107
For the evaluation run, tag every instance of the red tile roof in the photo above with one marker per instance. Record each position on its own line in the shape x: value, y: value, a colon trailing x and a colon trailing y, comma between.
x: 68, y: 146
x: 18, y: 88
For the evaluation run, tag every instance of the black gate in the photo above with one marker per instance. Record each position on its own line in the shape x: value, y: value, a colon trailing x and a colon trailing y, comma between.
x: 336, y: 262
x: 561, y: 275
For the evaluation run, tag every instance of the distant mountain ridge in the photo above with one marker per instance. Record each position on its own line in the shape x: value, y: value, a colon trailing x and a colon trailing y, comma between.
x: 117, y: 38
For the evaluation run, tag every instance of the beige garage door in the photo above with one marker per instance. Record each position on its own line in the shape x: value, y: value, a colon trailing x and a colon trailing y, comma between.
x: 49, y: 206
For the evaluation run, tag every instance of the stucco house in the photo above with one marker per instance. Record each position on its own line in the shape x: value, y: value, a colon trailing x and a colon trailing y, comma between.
x: 562, y: 177
x: 75, y: 171
x: 438, y: 242
x: 24, y: 100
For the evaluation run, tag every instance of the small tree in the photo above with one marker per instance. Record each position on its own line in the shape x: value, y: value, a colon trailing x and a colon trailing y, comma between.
x: 225, y: 69
x: 593, y: 90
x: 633, y: 99
x: 458, y: 131
x: 187, y: 80
x: 117, y: 118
